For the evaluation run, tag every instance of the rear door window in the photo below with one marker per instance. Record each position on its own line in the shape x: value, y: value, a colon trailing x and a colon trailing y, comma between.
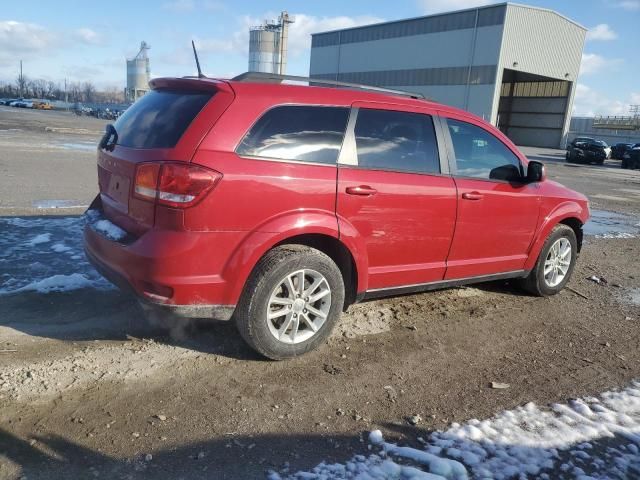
x: 481, y: 155
x: 301, y: 133
x: 397, y: 141
x: 159, y: 119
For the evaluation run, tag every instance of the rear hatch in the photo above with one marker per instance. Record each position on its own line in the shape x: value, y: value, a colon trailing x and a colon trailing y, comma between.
x: 165, y: 125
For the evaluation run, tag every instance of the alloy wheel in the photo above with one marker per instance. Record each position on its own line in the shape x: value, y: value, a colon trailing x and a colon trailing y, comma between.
x: 298, y: 306
x: 557, y: 262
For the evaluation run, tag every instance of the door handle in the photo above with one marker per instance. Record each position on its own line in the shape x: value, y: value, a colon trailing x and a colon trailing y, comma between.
x: 362, y: 190
x: 472, y: 196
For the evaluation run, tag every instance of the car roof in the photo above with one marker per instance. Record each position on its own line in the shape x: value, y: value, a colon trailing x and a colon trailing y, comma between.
x: 279, y: 93
x: 313, y: 94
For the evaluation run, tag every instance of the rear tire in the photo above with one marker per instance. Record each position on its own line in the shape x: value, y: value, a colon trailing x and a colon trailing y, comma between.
x: 553, y: 258
x: 274, y: 287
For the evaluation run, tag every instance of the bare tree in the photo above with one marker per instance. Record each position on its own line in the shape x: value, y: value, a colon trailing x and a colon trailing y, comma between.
x: 89, y: 91
x: 21, y: 83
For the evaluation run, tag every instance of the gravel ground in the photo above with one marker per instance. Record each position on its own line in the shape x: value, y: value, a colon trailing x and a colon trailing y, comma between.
x: 90, y: 388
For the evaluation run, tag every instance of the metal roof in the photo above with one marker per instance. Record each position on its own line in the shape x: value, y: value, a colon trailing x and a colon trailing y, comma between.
x: 483, y: 7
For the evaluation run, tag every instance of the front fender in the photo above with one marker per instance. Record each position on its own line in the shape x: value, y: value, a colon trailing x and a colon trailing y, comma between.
x: 565, y: 210
x: 275, y: 231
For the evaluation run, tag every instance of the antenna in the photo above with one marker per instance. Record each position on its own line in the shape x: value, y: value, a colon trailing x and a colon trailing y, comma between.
x: 195, y: 54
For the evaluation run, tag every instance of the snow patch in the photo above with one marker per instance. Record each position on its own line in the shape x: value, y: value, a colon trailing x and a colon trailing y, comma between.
x: 38, y: 239
x: 109, y: 230
x: 589, y: 438
x: 375, y: 437
x: 617, y: 235
x: 57, y: 283
x: 60, y: 248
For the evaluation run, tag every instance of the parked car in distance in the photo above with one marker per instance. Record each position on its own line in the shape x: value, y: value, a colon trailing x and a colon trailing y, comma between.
x: 607, y: 148
x: 586, y: 150
x: 619, y: 149
x: 631, y: 158
x: 42, y: 105
x: 236, y: 208
x: 22, y: 104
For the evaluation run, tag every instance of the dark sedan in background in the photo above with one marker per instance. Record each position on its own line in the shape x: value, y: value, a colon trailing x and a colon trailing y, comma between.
x: 631, y: 158
x: 586, y: 150
x: 619, y: 149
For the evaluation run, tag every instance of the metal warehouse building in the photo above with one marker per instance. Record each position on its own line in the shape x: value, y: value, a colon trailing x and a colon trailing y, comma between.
x: 514, y: 65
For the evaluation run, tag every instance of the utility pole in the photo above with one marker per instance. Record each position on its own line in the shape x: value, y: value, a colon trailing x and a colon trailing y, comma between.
x: 21, y: 81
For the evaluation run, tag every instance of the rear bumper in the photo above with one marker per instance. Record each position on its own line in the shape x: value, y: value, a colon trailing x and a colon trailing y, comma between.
x: 167, y: 269
x: 215, y: 312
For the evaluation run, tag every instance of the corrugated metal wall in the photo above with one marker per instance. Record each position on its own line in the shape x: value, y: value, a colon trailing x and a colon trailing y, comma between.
x: 583, y: 127
x: 544, y: 43
x: 428, y: 54
x: 444, y: 57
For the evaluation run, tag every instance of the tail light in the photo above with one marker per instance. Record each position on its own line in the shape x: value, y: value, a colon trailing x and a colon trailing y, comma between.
x: 178, y: 185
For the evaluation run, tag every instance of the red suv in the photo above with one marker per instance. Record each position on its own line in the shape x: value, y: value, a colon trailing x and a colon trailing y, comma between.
x: 280, y: 205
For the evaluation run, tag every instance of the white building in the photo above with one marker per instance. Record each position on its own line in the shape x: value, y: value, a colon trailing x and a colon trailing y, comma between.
x: 514, y: 65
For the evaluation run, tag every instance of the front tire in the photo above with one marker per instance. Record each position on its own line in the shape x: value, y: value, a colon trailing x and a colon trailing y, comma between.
x: 291, y: 302
x: 555, y: 263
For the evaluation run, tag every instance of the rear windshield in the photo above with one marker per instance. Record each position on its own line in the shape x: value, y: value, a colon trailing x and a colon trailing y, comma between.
x: 159, y: 119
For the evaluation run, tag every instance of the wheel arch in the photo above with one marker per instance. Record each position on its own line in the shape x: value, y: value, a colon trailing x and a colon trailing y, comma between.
x: 569, y: 213
x: 318, y: 231
x: 338, y: 252
x: 576, y: 226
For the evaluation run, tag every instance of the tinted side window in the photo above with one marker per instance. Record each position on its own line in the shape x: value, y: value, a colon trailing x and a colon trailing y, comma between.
x: 308, y: 134
x: 480, y: 154
x: 399, y: 141
x: 159, y: 119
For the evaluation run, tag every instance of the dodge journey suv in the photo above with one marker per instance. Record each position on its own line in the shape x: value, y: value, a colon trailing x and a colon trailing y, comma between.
x: 278, y: 205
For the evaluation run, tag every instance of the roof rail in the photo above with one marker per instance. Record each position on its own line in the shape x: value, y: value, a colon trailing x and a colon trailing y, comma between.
x: 276, y: 78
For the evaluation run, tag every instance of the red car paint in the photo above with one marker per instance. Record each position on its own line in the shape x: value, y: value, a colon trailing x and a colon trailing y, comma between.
x: 399, y: 229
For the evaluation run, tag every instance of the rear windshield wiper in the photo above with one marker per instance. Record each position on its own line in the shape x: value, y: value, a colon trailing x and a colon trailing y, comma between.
x: 109, y: 139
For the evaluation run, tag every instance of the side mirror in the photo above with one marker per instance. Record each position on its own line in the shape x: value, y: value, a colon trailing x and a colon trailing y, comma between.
x: 536, y: 172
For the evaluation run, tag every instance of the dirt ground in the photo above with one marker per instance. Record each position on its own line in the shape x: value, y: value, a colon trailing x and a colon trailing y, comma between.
x: 90, y: 389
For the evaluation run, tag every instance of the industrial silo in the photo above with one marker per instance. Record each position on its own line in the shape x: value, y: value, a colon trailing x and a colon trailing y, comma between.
x: 268, y: 46
x: 263, y: 49
x: 138, y: 74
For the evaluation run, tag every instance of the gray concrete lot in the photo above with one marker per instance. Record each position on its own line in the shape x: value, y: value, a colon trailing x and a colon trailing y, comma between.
x: 47, y: 161
x: 85, y: 377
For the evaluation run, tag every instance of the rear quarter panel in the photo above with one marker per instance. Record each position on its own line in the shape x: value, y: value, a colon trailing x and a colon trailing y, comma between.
x: 268, y: 200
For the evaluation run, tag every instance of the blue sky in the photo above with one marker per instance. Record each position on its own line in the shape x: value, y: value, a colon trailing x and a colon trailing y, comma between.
x: 88, y: 40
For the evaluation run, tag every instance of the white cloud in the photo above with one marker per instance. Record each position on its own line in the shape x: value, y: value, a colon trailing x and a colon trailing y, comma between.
x: 187, y: 6
x: 180, y: 6
x: 213, y: 5
x: 589, y: 102
x: 594, y: 63
x: 238, y: 43
x: 601, y: 32
x: 437, y: 6
x: 301, y: 29
x: 20, y: 41
x: 88, y: 36
x: 630, y: 5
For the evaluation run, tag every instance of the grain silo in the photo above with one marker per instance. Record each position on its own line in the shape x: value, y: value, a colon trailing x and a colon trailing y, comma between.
x: 268, y: 46
x: 138, y: 74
